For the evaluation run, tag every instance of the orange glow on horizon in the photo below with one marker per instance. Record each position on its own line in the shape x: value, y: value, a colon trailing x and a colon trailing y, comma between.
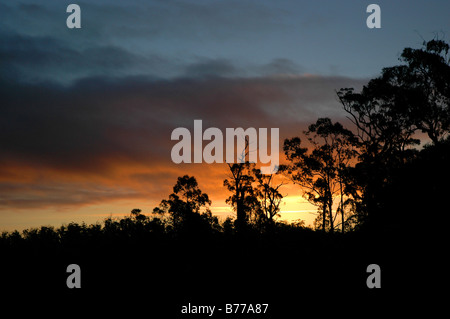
x: 38, y: 196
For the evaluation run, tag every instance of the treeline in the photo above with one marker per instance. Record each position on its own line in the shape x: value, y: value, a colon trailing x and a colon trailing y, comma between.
x: 134, y: 229
x: 149, y: 256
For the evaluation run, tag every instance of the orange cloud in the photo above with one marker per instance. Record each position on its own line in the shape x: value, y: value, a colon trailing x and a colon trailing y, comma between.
x: 107, y: 141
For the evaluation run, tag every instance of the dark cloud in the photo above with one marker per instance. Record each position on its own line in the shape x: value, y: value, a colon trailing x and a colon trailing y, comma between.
x: 127, y: 40
x: 134, y: 40
x: 281, y: 66
x: 98, y: 127
x: 51, y: 194
x: 35, y: 58
x: 86, y: 115
x: 211, y: 67
x: 31, y: 59
x: 98, y: 121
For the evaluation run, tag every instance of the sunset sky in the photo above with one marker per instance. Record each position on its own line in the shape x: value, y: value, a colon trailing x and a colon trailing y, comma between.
x: 86, y: 114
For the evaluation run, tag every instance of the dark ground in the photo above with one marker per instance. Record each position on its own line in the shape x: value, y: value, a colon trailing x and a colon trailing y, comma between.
x: 297, y: 272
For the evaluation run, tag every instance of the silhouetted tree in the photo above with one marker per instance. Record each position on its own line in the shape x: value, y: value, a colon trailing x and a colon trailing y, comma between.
x: 422, y: 85
x: 240, y: 183
x: 383, y: 133
x: 136, y: 214
x: 387, y: 113
x: 269, y: 196
x: 187, y: 206
x: 321, y: 172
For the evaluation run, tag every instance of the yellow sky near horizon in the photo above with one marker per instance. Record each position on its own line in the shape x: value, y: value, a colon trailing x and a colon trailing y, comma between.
x: 292, y: 208
x: 52, y: 197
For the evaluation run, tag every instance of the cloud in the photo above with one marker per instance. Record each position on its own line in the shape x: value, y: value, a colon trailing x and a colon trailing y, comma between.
x: 211, y: 67
x: 281, y: 66
x: 116, y: 131
x: 86, y: 115
x: 32, y: 59
x: 152, y: 39
x: 45, y: 58
x: 127, y: 117
x: 37, y: 195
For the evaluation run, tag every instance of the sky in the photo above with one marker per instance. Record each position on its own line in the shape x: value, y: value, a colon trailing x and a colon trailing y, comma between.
x: 86, y: 114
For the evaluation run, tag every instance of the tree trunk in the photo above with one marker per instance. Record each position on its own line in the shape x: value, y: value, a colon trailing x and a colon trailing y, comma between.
x: 240, y: 211
x: 330, y: 208
x: 324, y: 217
x: 342, y: 204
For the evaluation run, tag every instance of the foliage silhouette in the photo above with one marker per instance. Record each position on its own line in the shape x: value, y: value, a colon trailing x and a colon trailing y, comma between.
x: 269, y: 196
x: 322, y: 172
x: 188, y: 207
x: 386, y: 115
x: 240, y: 183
